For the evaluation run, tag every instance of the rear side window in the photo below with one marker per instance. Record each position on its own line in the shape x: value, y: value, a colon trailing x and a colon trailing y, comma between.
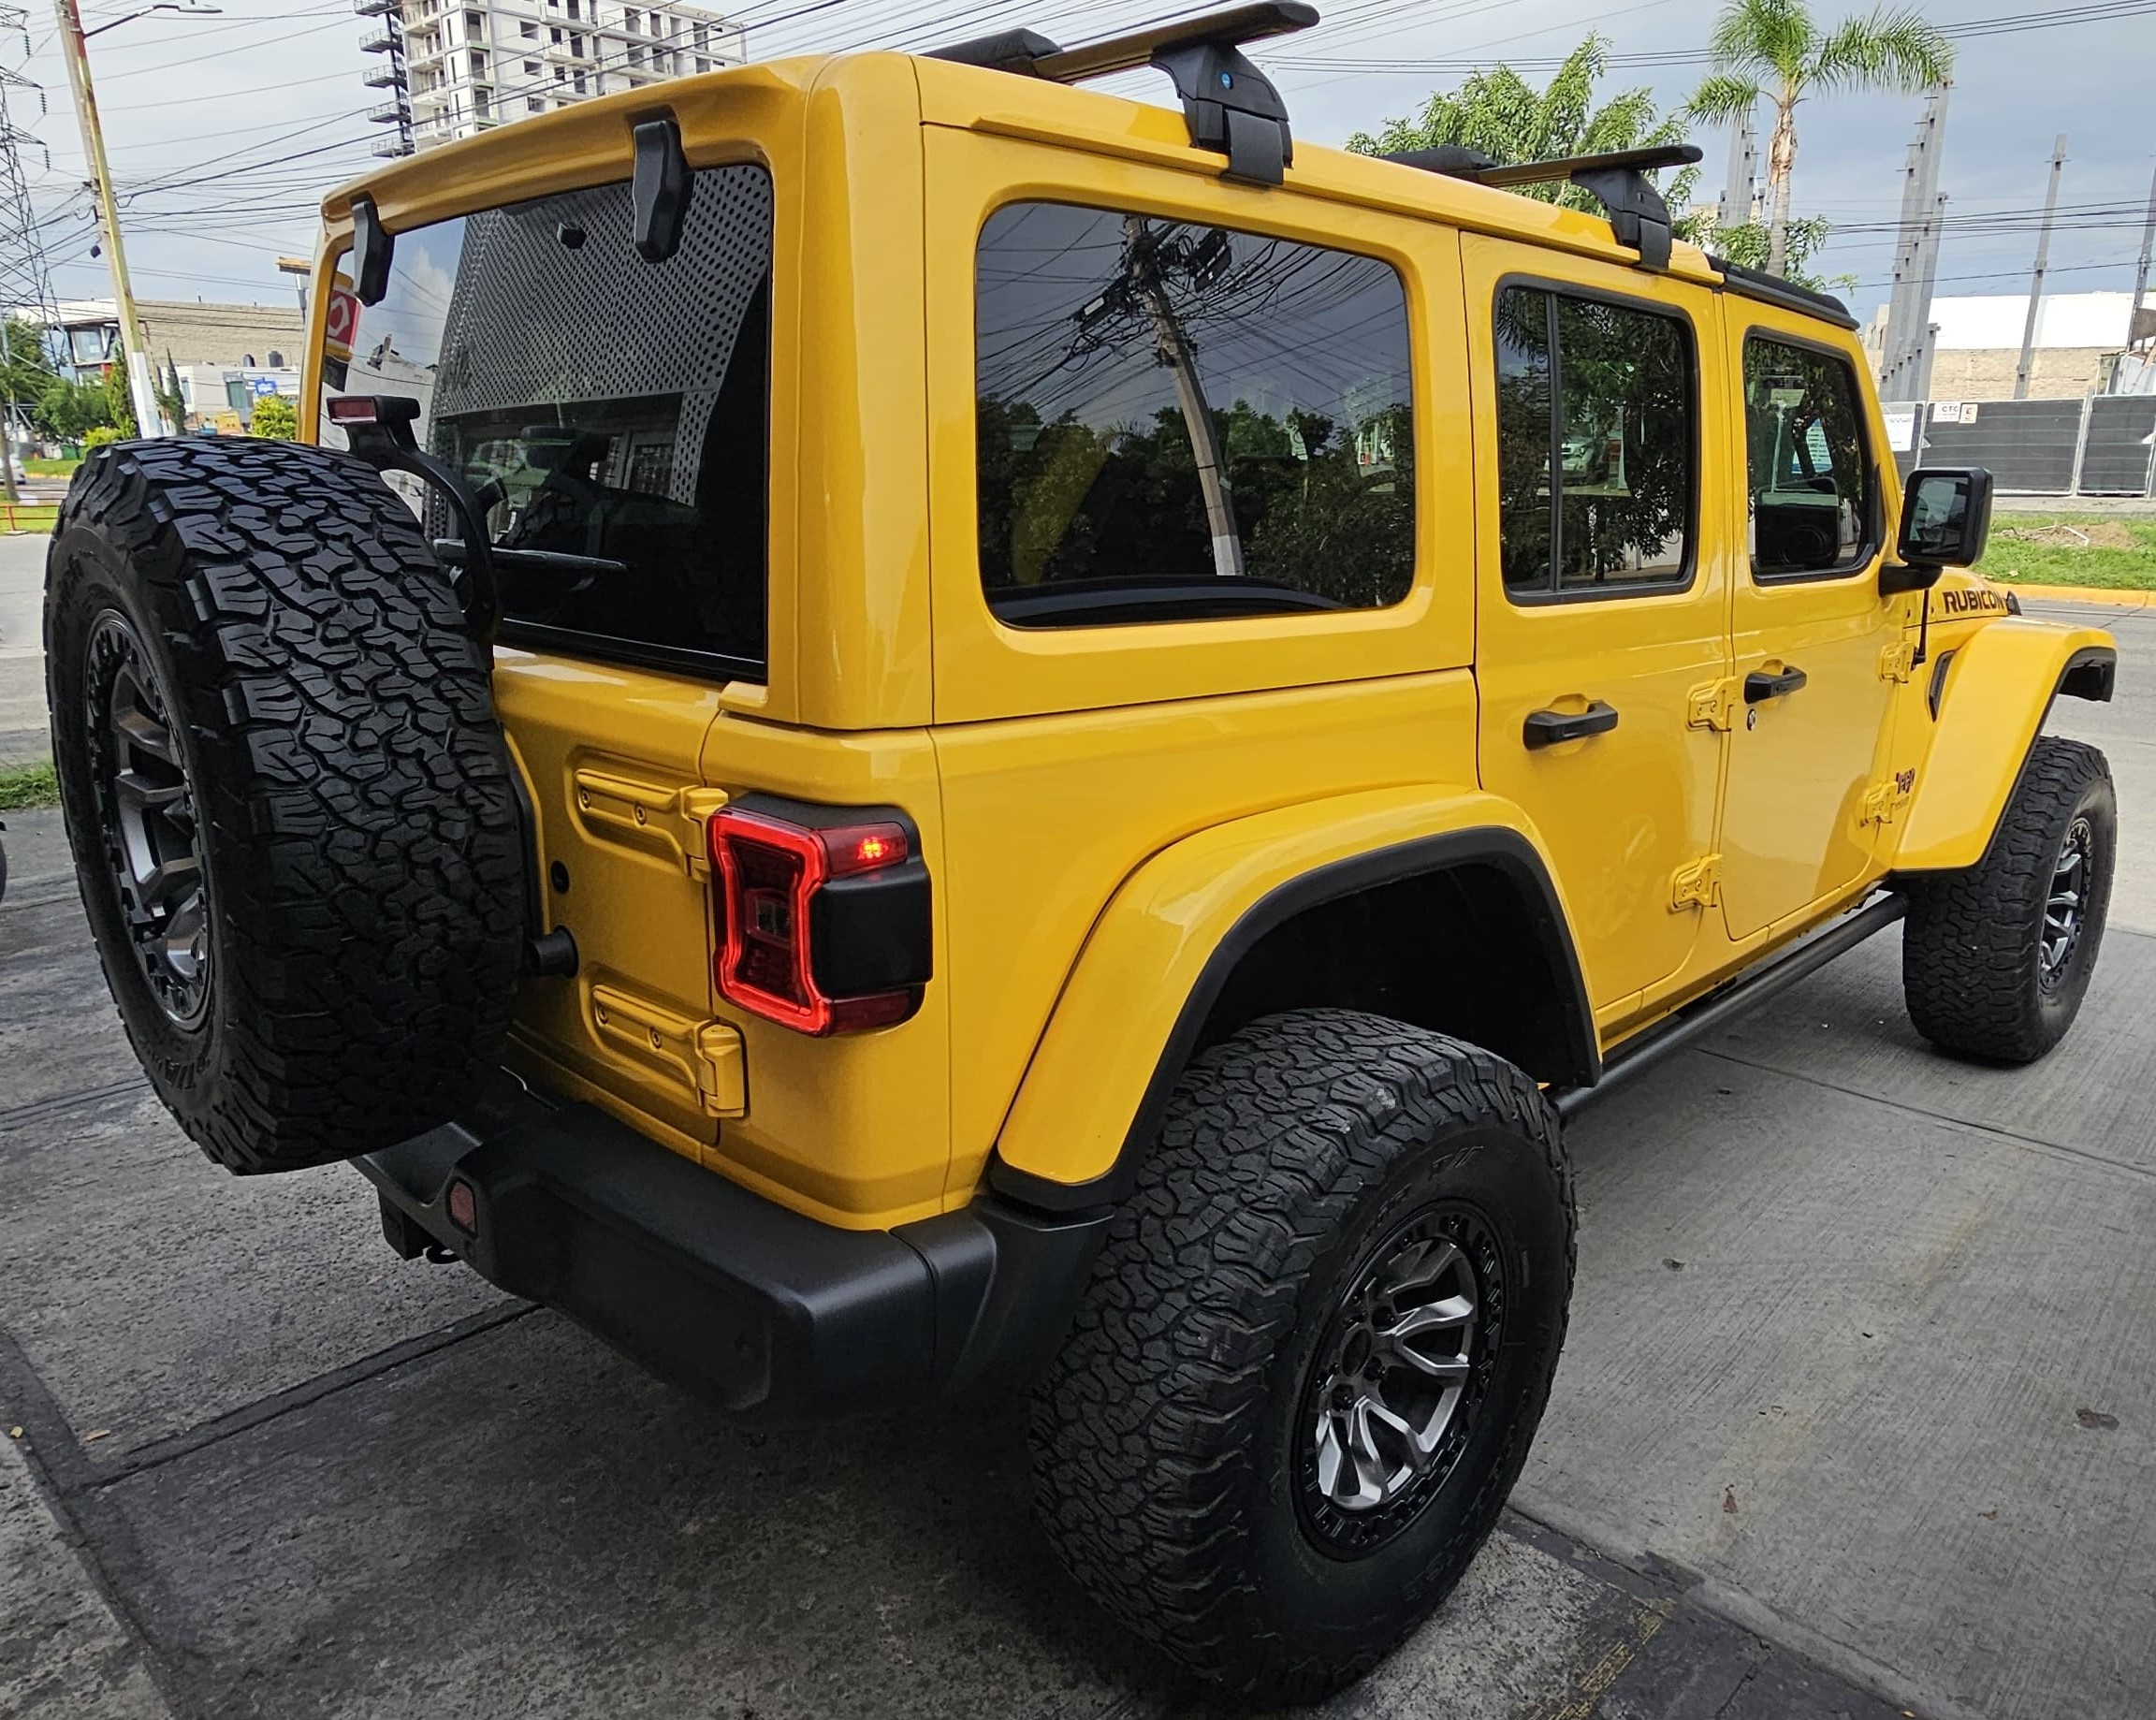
x: 611, y: 414
x: 1178, y: 422
x: 1810, y: 475
x: 1596, y: 449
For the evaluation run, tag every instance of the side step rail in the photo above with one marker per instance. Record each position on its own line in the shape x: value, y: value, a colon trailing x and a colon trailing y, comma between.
x: 1717, y: 1008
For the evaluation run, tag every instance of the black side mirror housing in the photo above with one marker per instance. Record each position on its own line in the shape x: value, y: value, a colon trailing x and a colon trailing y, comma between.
x: 1946, y: 517
x: 1896, y: 577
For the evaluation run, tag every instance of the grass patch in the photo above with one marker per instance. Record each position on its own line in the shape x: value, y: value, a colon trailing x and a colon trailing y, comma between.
x: 2085, y: 550
x: 49, y: 468
x: 23, y: 786
x: 29, y: 516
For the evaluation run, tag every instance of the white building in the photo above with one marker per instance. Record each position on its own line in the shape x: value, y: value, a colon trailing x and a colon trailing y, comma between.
x: 466, y: 67
x: 2080, y: 339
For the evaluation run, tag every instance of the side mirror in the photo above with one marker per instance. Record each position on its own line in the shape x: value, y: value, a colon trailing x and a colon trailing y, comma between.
x: 1946, y: 517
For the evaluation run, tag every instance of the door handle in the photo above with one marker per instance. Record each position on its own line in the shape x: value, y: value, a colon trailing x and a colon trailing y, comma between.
x: 1548, y: 728
x: 1760, y: 685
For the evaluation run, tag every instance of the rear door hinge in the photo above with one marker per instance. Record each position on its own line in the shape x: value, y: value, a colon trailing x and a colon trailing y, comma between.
x: 1898, y: 662
x: 1712, y: 705
x: 1697, y: 886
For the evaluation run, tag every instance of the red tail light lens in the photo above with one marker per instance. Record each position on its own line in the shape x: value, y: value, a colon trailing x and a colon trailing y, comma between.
x: 824, y: 926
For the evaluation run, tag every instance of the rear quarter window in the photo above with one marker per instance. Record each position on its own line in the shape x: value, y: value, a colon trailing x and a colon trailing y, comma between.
x: 1179, y: 422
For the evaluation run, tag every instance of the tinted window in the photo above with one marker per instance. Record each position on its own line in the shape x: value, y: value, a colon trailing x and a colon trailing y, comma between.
x: 1810, y: 474
x: 611, y: 414
x: 1595, y: 443
x: 1179, y: 421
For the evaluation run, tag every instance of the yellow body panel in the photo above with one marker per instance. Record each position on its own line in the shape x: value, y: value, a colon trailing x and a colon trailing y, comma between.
x: 1997, y: 687
x: 1143, y: 959
x: 1097, y: 806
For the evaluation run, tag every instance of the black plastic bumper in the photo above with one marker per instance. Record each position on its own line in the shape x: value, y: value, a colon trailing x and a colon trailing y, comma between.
x: 776, y: 1316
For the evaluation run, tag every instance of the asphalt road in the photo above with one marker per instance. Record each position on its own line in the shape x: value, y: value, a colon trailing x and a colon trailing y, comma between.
x: 1858, y: 1417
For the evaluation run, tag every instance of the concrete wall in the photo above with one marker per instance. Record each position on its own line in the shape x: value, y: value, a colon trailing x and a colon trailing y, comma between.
x: 2055, y: 373
x: 188, y: 331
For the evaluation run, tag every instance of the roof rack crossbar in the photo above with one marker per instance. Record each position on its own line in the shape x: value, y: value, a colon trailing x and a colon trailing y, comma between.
x: 1616, y: 178
x: 1228, y: 103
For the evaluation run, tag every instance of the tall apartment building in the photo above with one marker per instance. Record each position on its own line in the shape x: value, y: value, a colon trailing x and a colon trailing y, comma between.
x: 453, y: 67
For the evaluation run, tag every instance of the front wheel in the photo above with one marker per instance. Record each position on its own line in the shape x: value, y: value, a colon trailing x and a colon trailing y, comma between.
x: 1996, y: 958
x: 1313, y: 1350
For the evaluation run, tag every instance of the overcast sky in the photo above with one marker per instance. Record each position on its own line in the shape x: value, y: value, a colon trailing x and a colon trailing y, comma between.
x: 224, y: 131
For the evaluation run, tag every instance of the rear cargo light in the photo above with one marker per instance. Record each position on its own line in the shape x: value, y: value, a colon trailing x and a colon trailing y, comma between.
x: 823, y: 915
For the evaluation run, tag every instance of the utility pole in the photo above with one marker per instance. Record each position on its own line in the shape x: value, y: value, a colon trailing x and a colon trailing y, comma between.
x: 1737, y: 190
x: 2141, y: 268
x: 2043, y: 261
x: 1908, y: 308
x: 1174, y: 352
x: 25, y: 282
x: 149, y: 421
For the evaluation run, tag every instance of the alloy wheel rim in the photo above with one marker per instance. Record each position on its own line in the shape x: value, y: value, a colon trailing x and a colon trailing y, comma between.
x: 148, y: 820
x: 1398, y: 1379
x: 2066, y: 904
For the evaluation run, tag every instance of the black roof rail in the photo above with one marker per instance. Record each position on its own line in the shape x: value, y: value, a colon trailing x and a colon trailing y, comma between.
x: 1773, y: 289
x: 1617, y: 180
x: 1228, y: 103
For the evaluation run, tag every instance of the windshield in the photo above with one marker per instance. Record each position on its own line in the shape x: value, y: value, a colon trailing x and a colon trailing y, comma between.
x: 608, y: 412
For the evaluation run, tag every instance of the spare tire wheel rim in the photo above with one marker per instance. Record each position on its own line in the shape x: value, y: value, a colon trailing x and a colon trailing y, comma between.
x: 2066, y: 904
x: 146, y: 812
x: 1398, y: 1379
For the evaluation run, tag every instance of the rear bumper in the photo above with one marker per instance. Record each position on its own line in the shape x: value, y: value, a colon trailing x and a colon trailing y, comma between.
x: 774, y: 1315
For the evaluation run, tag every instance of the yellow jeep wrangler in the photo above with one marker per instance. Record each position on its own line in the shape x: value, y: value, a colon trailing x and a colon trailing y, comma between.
x: 908, y: 726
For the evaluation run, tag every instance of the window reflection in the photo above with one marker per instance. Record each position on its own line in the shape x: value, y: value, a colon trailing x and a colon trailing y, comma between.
x: 1178, y: 421
x: 1597, y: 493
x: 1810, y: 476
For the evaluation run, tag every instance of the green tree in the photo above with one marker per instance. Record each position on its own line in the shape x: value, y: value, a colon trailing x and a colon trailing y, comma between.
x: 119, y: 399
x: 171, y: 400
x: 275, y: 417
x: 1500, y: 114
x: 1803, y: 239
x: 1775, y: 49
x: 67, y: 411
x: 25, y: 365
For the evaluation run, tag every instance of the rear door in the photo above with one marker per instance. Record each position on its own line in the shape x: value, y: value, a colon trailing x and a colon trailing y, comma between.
x: 1810, y: 629
x: 1602, y: 591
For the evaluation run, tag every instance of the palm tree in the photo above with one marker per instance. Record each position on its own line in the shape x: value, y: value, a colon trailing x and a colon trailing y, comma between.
x: 1773, y: 47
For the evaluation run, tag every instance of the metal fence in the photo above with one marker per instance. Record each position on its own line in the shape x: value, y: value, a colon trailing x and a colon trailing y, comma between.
x: 2103, y: 446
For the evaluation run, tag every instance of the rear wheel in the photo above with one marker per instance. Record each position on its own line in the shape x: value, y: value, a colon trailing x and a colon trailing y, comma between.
x: 1995, y: 959
x: 293, y: 821
x: 1313, y: 1350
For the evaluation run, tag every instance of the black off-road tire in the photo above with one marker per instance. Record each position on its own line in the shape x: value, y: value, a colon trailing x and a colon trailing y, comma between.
x: 353, y: 953
x: 1175, y: 1463
x: 1973, y: 967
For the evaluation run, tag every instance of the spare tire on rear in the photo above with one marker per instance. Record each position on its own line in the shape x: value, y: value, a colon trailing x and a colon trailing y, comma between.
x: 291, y: 807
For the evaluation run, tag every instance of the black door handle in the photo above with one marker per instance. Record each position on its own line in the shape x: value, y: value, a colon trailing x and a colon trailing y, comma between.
x: 1547, y: 728
x: 1760, y: 685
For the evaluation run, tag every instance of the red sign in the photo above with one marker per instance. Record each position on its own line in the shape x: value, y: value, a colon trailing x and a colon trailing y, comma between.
x: 342, y: 327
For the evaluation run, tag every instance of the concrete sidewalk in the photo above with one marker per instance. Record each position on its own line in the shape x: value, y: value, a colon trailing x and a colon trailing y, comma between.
x: 1858, y: 1417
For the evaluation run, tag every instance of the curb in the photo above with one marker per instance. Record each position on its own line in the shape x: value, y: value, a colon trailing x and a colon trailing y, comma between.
x: 2077, y: 594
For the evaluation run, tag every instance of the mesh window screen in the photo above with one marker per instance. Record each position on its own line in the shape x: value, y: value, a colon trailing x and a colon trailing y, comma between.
x: 610, y: 414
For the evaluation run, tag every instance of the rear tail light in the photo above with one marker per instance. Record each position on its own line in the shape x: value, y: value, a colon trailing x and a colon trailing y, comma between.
x: 823, y: 912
